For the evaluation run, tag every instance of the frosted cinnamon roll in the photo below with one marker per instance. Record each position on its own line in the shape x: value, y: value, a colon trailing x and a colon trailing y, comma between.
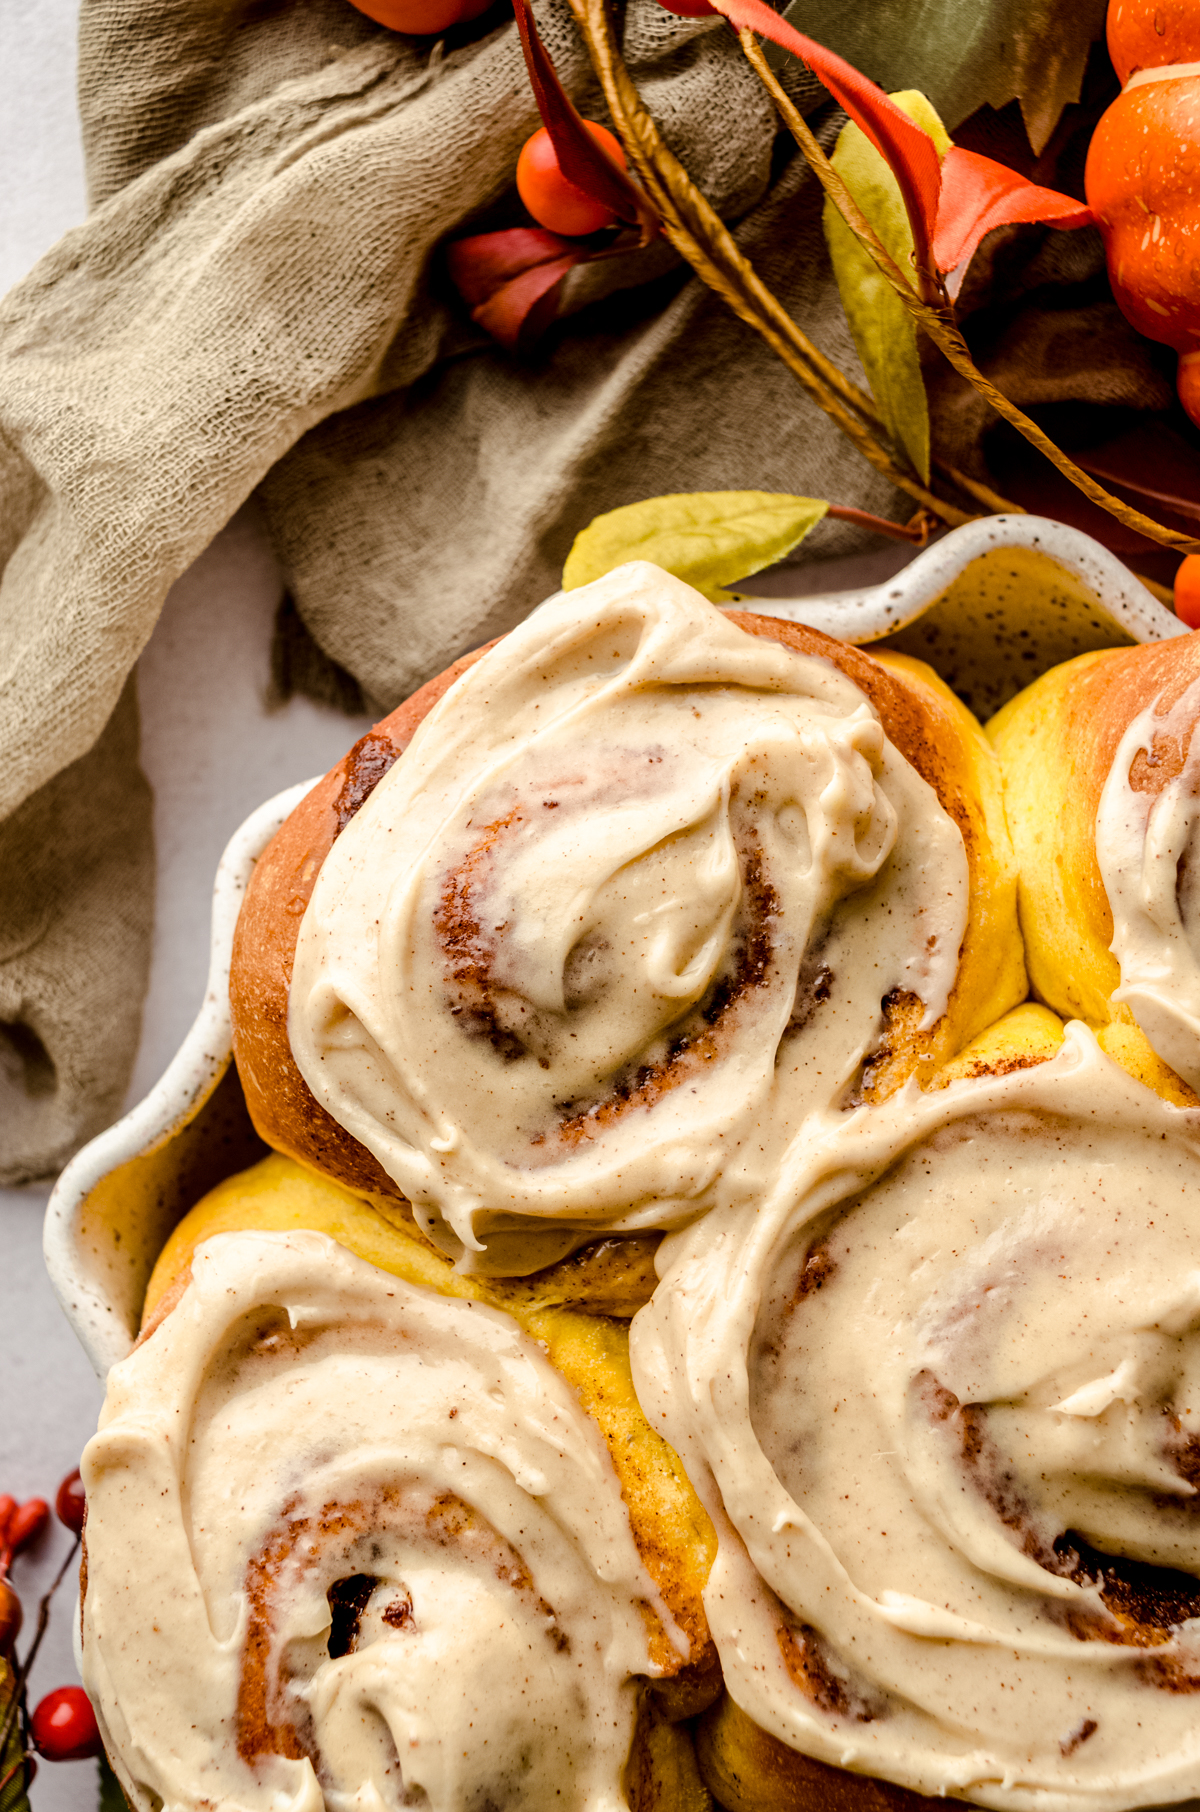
x: 1102, y: 776
x: 352, y: 1544
x: 590, y: 1351
x: 940, y: 1399
x: 649, y: 884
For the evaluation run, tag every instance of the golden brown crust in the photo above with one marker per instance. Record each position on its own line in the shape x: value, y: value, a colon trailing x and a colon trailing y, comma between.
x: 1056, y: 742
x: 925, y: 728
x: 284, y: 1111
x: 1099, y: 706
x: 748, y: 1770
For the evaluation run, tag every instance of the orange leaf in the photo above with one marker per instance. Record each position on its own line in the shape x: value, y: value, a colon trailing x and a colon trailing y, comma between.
x: 909, y: 153
x: 978, y: 195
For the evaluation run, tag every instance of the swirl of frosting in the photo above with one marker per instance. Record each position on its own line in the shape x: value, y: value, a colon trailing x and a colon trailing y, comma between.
x: 622, y: 915
x: 1148, y: 851
x: 353, y: 1545
x: 942, y: 1400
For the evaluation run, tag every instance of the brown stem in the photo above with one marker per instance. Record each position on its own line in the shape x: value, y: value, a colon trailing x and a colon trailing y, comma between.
x: 834, y: 185
x: 916, y: 530
x: 982, y: 493
x: 700, y: 237
x: 949, y: 341
x: 934, y: 315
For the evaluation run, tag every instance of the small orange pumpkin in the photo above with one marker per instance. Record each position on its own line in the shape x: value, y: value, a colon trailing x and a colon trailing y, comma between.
x: 1143, y: 177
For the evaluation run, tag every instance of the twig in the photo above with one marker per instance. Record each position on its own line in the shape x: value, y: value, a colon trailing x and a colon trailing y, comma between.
x: 981, y: 492
x: 937, y: 319
x: 700, y: 237
x: 916, y: 530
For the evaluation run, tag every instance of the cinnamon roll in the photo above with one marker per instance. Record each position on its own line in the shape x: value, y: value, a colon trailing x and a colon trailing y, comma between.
x: 352, y: 1544
x: 1102, y: 777
x: 940, y: 1398
x: 650, y: 883
x: 589, y: 1350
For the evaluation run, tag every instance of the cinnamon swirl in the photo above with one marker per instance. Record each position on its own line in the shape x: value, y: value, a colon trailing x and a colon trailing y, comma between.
x: 940, y: 1399
x: 352, y: 1544
x: 589, y: 1350
x: 1102, y: 774
x: 650, y: 883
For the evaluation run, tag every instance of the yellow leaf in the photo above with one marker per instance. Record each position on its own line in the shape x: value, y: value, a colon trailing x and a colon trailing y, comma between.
x: 708, y: 538
x: 883, y: 329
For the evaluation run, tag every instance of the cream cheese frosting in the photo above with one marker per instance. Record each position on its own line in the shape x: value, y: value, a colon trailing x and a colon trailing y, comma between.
x: 621, y: 916
x: 353, y: 1545
x: 1148, y: 851
x: 941, y: 1397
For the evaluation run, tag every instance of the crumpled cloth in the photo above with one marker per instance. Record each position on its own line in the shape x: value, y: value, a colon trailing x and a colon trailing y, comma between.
x: 257, y: 303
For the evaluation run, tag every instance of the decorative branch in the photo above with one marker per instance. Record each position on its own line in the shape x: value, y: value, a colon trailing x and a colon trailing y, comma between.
x: 578, y: 158
x: 938, y: 322
x: 700, y: 237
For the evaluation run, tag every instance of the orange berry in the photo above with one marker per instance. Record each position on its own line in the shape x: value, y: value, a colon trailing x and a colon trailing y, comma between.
x: 421, y: 18
x: 554, y: 202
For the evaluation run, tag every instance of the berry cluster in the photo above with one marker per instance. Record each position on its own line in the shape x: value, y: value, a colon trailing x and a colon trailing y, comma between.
x: 62, y: 1726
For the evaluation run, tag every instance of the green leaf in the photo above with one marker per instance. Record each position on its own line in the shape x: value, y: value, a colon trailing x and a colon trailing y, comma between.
x: 13, y: 1797
x: 708, y: 538
x: 965, y: 52
x: 883, y: 329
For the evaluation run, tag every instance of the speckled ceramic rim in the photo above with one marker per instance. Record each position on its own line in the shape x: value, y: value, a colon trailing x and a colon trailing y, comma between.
x: 185, y: 1085
x: 880, y: 610
x: 855, y: 616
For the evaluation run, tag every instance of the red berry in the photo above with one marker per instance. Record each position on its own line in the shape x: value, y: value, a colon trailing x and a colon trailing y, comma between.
x: 421, y: 18
x: 64, y: 1727
x: 554, y: 202
x: 1187, y: 592
x: 11, y: 1617
x: 28, y: 1523
x: 70, y: 1503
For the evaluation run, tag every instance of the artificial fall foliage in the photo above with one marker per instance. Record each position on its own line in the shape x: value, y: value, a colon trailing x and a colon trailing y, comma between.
x: 707, y: 538
x: 1033, y: 52
x: 951, y: 200
x: 511, y: 280
x: 884, y: 330
x: 950, y: 197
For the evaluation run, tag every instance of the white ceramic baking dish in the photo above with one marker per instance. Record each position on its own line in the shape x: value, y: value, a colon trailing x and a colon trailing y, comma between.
x: 991, y: 606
